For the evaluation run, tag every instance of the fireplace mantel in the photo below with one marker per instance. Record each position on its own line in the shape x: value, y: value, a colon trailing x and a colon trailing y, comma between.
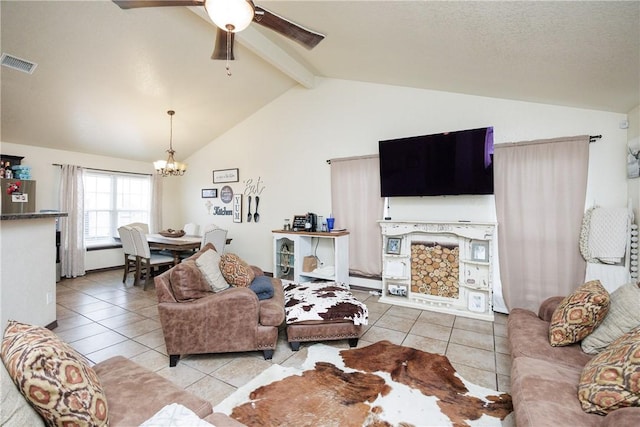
x: 414, y: 275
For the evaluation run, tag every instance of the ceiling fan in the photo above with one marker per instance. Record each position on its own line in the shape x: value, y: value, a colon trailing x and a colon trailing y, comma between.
x: 232, y: 16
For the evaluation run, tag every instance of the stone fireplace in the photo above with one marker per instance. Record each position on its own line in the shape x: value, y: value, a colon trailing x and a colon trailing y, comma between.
x: 442, y: 266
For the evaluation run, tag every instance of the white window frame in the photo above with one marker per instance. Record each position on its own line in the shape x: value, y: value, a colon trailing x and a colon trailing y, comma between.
x: 118, y: 205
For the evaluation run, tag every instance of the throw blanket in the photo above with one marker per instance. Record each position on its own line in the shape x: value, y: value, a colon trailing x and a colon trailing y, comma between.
x: 322, y: 301
x: 262, y: 286
x: 604, y: 234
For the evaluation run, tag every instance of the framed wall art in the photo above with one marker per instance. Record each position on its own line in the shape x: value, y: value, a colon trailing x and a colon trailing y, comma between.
x: 225, y: 175
x: 480, y: 251
x: 209, y: 193
x: 237, y: 208
x: 393, y: 245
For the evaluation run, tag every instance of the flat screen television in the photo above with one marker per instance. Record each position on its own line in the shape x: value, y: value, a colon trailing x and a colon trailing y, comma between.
x: 450, y: 163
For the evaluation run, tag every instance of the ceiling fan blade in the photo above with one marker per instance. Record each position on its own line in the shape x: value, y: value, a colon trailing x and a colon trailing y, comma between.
x: 220, y: 49
x: 132, y: 4
x: 291, y: 30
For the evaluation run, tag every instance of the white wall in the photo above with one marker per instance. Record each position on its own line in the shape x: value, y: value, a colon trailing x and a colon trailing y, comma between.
x: 47, y: 178
x: 286, y: 143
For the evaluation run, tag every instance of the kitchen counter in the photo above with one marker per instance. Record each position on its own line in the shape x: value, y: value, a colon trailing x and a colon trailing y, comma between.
x: 28, y: 267
x: 32, y: 215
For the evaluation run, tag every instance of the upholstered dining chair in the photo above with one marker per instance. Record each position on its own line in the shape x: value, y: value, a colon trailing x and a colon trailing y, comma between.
x: 130, y: 258
x: 141, y: 225
x: 218, y: 237
x: 147, y: 261
x: 209, y: 227
x: 191, y: 229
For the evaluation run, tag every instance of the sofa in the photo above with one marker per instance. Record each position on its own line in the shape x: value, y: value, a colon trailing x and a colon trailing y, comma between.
x: 133, y: 393
x: 210, y: 307
x: 545, y: 379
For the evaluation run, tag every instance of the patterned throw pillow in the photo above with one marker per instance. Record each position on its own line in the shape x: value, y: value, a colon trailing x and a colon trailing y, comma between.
x: 579, y: 314
x: 235, y: 271
x: 53, y: 377
x: 611, y: 380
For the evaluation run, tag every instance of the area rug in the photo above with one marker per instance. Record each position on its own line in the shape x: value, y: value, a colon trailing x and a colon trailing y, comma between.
x: 379, y: 385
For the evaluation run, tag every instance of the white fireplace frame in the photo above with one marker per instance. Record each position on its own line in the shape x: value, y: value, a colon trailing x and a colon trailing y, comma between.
x: 475, y: 283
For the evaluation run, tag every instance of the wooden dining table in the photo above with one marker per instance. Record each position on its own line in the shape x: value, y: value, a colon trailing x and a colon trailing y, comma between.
x: 177, y: 245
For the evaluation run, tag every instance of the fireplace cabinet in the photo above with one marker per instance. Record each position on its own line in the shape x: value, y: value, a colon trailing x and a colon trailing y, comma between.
x: 440, y: 266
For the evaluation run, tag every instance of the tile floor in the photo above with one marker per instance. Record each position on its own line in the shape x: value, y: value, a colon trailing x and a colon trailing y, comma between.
x: 101, y: 317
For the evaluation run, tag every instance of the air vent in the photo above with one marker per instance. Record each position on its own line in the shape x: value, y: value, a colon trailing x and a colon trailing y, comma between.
x: 17, y: 63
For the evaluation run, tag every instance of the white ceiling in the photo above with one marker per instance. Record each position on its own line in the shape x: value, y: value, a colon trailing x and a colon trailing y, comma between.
x: 105, y: 77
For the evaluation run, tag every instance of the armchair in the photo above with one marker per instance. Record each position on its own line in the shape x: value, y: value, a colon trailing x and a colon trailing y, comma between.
x: 231, y: 320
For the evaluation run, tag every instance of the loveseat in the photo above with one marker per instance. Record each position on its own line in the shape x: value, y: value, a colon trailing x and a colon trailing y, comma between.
x: 133, y: 393
x: 199, y: 316
x: 545, y: 379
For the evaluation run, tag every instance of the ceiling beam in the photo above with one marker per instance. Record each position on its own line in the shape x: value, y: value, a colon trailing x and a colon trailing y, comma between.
x: 268, y: 51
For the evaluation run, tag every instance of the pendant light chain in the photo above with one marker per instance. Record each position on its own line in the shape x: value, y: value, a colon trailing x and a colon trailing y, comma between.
x: 228, y: 52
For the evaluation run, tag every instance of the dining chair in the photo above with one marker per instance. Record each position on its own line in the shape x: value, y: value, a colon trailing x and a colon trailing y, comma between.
x: 218, y: 237
x: 130, y: 258
x: 191, y: 229
x: 147, y: 261
x: 143, y: 226
x: 209, y: 227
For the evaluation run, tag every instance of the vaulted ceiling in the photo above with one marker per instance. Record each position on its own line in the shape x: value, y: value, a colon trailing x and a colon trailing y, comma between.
x: 105, y: 77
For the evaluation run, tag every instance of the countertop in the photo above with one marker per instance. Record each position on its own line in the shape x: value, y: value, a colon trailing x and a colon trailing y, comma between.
x: 32, y: 215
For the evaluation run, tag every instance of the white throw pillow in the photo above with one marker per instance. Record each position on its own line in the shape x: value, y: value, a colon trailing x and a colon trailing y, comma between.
x: 175, y: 415
x: 209, y: 265
x: 623, y: 316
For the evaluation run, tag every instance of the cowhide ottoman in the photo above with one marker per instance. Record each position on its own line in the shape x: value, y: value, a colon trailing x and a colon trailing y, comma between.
x: 321, y: 311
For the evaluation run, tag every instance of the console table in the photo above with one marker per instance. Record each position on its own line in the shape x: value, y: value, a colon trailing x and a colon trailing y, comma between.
x: 440, y: 266
x: 331, y: 248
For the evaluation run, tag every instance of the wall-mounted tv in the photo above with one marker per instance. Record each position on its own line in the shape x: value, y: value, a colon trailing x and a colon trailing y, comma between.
x: 450, y: 163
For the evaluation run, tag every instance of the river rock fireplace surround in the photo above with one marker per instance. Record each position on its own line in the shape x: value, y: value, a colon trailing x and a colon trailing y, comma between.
x: 440, y: 266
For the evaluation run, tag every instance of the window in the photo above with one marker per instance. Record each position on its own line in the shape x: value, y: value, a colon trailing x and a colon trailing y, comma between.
x: 111, y: 200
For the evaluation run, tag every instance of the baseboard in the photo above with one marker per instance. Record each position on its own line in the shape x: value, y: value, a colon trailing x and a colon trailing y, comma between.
x: 364, y: 282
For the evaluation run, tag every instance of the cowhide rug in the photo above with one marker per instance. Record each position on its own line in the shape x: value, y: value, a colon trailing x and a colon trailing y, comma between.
x: 380, y: 385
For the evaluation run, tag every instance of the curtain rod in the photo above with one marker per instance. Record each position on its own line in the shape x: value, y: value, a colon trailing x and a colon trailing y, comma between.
x: 108, y: 170
x: 342, y: 159
x: 594, y: 138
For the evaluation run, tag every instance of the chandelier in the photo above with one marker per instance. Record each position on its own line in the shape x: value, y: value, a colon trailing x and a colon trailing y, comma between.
x: 170, y: 167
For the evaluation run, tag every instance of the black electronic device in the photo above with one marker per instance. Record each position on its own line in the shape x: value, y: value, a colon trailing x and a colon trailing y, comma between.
x: 311, y: 222
x: 450, y: 163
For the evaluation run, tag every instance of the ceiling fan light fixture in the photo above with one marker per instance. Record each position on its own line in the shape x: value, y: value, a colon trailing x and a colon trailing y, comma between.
x: 170, y: 167
x: 230, y: 15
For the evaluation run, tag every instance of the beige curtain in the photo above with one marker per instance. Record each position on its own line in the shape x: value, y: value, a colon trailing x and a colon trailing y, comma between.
x: 156, y: 204
x: 72, y: 249
x: 540, y: 189
x: 357, y: 206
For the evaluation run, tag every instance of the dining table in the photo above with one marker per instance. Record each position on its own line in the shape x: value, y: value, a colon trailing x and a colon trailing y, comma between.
x: 176, y: 245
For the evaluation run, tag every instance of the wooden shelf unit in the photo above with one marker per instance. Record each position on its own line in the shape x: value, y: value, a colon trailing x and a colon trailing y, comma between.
x: 291, y: 247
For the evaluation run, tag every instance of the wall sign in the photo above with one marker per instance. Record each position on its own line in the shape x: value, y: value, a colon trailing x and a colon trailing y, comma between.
x: 225, y: 175
x: 237, y: 208
x: 226, y: 194
x: 209, y: 193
